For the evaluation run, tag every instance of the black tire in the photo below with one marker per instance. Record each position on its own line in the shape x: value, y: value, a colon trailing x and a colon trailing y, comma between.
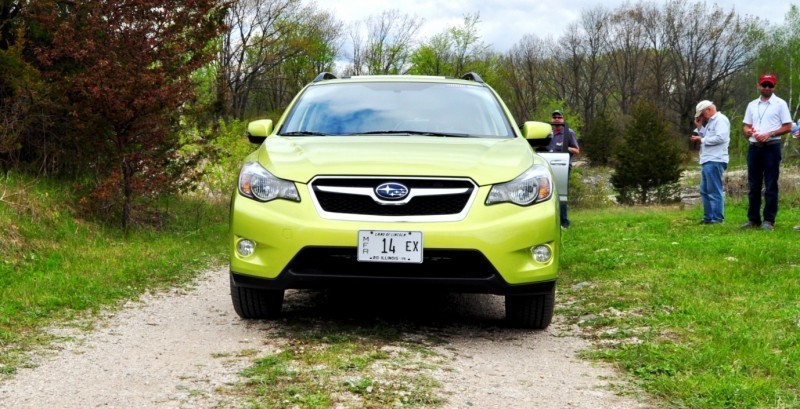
x: 256, y: 303
x: 531, y: 311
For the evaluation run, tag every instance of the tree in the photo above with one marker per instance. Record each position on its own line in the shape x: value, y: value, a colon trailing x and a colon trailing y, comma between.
x: 564, y: 68
x: 781, y: 55
x: 522, y: 74
x: 709, y: 47
x: 672, y: 54
x: 433, y: 57
x: 629, y: 55
x: 262, y: 36
x: 467, y: 47
x: 313, y: 39
x: 123, y: 69
x: 593, y: 88
x: 454, y: 52
x: 20, y: 91
x: 9, y: 23
x: 388, y: 44
x: 647, y: 162
x: 17, y: 82
x: 598, y: 139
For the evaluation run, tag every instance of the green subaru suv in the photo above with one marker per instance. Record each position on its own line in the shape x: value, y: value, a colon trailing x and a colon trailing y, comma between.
x: 405, y: 182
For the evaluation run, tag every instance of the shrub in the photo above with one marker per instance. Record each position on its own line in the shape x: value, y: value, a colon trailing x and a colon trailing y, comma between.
x: 648, y: 162
x: 209, y: 159
x: 598, y: 139
x: 589, y: 187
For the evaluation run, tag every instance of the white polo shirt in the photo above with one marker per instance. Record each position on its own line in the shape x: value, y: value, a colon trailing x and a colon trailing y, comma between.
x: 767, y: 116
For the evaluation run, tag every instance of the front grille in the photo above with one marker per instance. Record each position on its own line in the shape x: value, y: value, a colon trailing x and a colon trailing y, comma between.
x: 420, y: 206
x: 355, y: 196
x: 436, y: 264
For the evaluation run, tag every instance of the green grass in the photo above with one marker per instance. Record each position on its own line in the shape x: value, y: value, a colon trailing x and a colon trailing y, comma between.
x: 343, y: 365
x: 56, y: 266
x: 703, y: 316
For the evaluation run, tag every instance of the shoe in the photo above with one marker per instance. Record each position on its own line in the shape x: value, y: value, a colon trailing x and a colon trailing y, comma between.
x: 749, y: 225
x: 712, y: 221
x: 797, y: 228
x: 767, y: 226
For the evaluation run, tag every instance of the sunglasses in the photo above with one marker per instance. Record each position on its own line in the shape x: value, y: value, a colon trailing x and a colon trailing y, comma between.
x: 767, y: 85
x: 558, y: 117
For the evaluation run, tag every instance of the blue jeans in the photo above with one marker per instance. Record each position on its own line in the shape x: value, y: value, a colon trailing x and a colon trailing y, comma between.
x: 711, y: 191
x: 763, y: 169
x: 563, y: 205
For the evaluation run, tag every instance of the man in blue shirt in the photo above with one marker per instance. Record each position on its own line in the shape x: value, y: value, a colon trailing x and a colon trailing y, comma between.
x: 563, y: 139
x: 714, y: 136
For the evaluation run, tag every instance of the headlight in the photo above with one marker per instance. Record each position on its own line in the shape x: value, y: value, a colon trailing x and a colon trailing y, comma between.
x: 256, y: 183
x: 533, y: 186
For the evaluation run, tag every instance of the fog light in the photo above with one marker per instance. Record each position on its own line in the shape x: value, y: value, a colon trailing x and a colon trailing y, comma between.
x: 541, y: 253
x: 245, y: 247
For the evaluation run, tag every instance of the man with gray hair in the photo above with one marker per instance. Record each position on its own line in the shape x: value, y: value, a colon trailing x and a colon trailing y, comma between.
x: 713, y: 132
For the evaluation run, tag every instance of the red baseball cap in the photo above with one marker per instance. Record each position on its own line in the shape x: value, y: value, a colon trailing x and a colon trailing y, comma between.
x: 768, y: 78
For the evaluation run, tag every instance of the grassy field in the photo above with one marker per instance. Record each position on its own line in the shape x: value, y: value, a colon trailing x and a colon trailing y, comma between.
x: 700, y: 316
x: 703, y: 316
x: 56, y: 266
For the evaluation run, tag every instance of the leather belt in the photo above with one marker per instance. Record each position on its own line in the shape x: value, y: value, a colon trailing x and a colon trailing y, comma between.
x: 767, y: 143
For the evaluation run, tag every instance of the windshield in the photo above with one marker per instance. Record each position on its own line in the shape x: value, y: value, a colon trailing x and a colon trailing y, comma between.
x: 419, y: 108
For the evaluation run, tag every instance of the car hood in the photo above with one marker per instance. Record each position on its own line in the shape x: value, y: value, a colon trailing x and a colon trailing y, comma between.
x: 484, y: 160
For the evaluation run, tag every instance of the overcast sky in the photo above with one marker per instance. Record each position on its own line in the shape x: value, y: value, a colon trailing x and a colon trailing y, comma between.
x: 504, y: 22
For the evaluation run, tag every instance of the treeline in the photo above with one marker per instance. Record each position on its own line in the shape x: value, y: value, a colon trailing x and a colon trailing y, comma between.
x: 110, y: 93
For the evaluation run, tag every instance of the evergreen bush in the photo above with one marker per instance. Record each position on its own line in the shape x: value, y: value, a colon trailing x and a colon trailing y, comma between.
x: 647, y: 164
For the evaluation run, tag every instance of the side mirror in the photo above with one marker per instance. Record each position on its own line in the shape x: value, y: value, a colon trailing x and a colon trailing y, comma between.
x: 536, y: 133
x: 536, y: 130
x: 257, y: 131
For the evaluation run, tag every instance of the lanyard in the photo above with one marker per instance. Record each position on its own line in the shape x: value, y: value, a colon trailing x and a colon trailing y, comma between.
x: 760, y: 113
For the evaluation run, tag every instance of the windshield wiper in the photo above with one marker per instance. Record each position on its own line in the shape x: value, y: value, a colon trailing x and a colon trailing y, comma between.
x: 423, y: 133
x: 303, y: 133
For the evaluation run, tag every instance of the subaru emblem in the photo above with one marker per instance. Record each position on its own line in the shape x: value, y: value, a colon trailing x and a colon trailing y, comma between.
x: 391, y: 190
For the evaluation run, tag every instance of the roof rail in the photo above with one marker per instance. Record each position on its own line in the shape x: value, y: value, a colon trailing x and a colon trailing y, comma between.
x: 472, y: 76
x: 324, y: 76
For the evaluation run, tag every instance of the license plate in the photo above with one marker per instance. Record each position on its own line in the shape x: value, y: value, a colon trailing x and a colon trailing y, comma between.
x: 390, y: 246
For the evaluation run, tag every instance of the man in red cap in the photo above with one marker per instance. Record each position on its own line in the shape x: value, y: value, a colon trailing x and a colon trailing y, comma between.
x: 765, y: 120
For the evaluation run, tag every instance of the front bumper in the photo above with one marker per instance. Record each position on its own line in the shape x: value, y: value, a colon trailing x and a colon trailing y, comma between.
x: 489, y: 251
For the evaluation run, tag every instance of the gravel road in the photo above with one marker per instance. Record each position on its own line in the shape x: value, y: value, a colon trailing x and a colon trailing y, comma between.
x: 178, y: 349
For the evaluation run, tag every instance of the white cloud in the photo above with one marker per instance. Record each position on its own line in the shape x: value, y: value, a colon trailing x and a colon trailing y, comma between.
x: 505, y: 22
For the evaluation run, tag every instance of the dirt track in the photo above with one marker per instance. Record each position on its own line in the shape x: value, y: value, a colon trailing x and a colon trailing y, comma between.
x: 175, y: 350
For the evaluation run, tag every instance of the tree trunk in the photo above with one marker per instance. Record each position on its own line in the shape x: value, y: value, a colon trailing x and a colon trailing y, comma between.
x: 127, y: 175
